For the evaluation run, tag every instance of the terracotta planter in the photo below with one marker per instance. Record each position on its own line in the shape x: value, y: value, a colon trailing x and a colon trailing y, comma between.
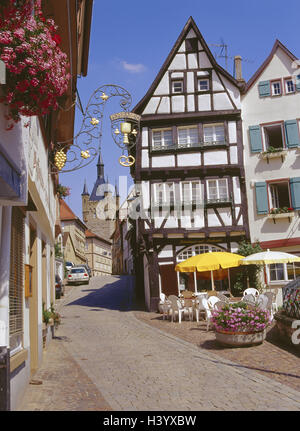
x: 239, y: 339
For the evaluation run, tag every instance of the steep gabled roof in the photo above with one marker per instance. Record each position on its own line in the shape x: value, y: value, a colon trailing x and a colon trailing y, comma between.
x: 90, y: 234
x: 260, y: 70
x: 66, y: 214
x: 190, y: 25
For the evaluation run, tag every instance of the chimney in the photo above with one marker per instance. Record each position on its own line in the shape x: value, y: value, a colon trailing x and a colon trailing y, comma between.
x: 238, y: 68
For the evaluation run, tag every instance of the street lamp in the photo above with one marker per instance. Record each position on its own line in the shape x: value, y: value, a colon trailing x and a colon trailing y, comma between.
x: 81, y: 150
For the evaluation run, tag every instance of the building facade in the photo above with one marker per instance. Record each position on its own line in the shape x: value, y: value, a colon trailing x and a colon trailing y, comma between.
x: 271, y: 124
x: 99, y: 207
x: 74, y: 235
x: 189, y: 165
x: 98, y: 253
x: 28, y: 212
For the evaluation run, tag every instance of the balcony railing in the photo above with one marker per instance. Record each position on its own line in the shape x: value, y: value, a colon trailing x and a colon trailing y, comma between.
x: 190, y: 146
x: 219, y: 202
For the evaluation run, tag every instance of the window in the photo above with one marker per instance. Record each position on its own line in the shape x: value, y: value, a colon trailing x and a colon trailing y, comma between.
x: 177, y: 86
x: 217, y: 190
x: 276, y: 271
x: 190, y: 192
x: 283, y: 271
x: 187, y: 137
x: 16, y: 281
x: 162, y: 139
x: 273, y: 136
x: 289, y: 86
x: 214, y: 134
x: 164, y: 193
x: 276, y: 88
x: 203, y: 84
x: 191, y: 44
x: 279, y: 195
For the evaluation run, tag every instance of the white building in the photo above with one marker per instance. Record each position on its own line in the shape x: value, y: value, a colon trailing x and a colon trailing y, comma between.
x: 271, y: 118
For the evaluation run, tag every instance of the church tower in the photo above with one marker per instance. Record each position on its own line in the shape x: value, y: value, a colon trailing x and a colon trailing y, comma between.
x: 99, y: 207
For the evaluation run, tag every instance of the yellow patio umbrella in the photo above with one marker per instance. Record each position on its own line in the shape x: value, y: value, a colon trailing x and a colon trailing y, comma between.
x: 211, y: 261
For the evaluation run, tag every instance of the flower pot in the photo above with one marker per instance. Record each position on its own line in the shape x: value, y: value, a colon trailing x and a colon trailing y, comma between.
x: 239, y: 339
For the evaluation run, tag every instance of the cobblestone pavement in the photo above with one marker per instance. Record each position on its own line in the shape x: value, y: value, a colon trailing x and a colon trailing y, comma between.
x: 121, y: 362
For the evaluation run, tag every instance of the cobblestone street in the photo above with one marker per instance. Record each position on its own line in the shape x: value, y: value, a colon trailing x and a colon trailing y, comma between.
x: 107, y: 357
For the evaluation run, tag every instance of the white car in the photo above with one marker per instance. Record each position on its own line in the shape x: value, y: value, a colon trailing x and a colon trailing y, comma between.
x: 78, y: 275
x: 69, y: 265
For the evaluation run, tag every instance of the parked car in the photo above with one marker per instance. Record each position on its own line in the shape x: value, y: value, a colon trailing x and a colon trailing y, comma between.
x: 88, y: 269
x: 78, y: 275
x: 59, y: 287
x: 69, y: 265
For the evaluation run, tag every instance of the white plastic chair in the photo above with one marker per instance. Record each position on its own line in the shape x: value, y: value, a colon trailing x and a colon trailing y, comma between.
x: 212, y: 300
x: 250, y: 299
x: 208, y: 312
x: 176, y: 308
x: 251, y: 291
x: 265, y: 302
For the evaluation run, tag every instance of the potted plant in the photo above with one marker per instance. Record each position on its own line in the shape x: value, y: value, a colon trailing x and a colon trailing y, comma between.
x: 240, y: 324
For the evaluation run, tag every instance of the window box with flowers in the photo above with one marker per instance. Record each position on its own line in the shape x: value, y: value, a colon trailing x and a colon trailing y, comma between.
x: 240, y: 324
x: 37, y: 69
x: 273, y: 153
x: 281, y: 213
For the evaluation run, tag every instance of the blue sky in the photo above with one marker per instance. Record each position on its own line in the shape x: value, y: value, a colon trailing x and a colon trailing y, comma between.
x: 131, y: 40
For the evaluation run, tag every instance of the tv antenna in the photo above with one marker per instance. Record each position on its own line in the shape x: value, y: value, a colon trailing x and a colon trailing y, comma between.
x: 224, y: 54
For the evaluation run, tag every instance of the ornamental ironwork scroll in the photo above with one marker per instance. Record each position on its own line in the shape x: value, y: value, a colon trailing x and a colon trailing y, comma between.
x: 82, y: 149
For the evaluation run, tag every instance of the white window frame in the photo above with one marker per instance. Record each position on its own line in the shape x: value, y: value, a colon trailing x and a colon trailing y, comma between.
x: 285, y: 278
x: 162, y: 138
x: 272, y: 192
x: 190, y: 197
x: 214, y: 135
x: 265, y: 136
x: 218, y: 198
x: 201, y: 80
x: 286, y: 86
x: 163, y: 187
x: 175, y: 83
x: 188, y: 136
x: 273, y: 84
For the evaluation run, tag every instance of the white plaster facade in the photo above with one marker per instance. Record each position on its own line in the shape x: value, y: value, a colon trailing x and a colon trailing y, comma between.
x: 274, y: 232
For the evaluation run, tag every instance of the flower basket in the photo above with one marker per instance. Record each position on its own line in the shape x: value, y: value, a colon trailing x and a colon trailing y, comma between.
x: 37, y: 69
x: 239, y: 324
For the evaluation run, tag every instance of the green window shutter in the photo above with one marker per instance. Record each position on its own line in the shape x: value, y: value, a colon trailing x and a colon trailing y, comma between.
x: 295, y: 192
x: 264, y: 88
x: 298, y: 82
x: 261, y: 197
x: 255, y: 139
x: 291, y: 133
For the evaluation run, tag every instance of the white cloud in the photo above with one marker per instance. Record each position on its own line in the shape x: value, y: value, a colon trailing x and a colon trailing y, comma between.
x: 133, y: 68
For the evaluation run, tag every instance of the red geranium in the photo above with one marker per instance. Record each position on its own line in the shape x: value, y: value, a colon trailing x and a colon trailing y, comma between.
x: 37, y: 68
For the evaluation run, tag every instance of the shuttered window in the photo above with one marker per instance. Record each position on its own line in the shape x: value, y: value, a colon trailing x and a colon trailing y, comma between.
x: 264, y: 88
x: 261, y: 198
x: 295, y: 192
x: 16, y: 280
x: 255, y: 139
x: 291, y: 133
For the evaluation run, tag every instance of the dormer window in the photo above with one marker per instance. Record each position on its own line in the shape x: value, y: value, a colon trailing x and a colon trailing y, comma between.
x: 276, y: 88
x: 203, y: 84
x: 177, y: 86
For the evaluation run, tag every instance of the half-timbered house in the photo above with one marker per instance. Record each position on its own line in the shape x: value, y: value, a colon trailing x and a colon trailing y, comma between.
x: 189, y: 166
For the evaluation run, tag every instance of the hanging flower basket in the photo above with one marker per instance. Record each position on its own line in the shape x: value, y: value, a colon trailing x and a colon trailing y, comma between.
x: 37, y: 69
